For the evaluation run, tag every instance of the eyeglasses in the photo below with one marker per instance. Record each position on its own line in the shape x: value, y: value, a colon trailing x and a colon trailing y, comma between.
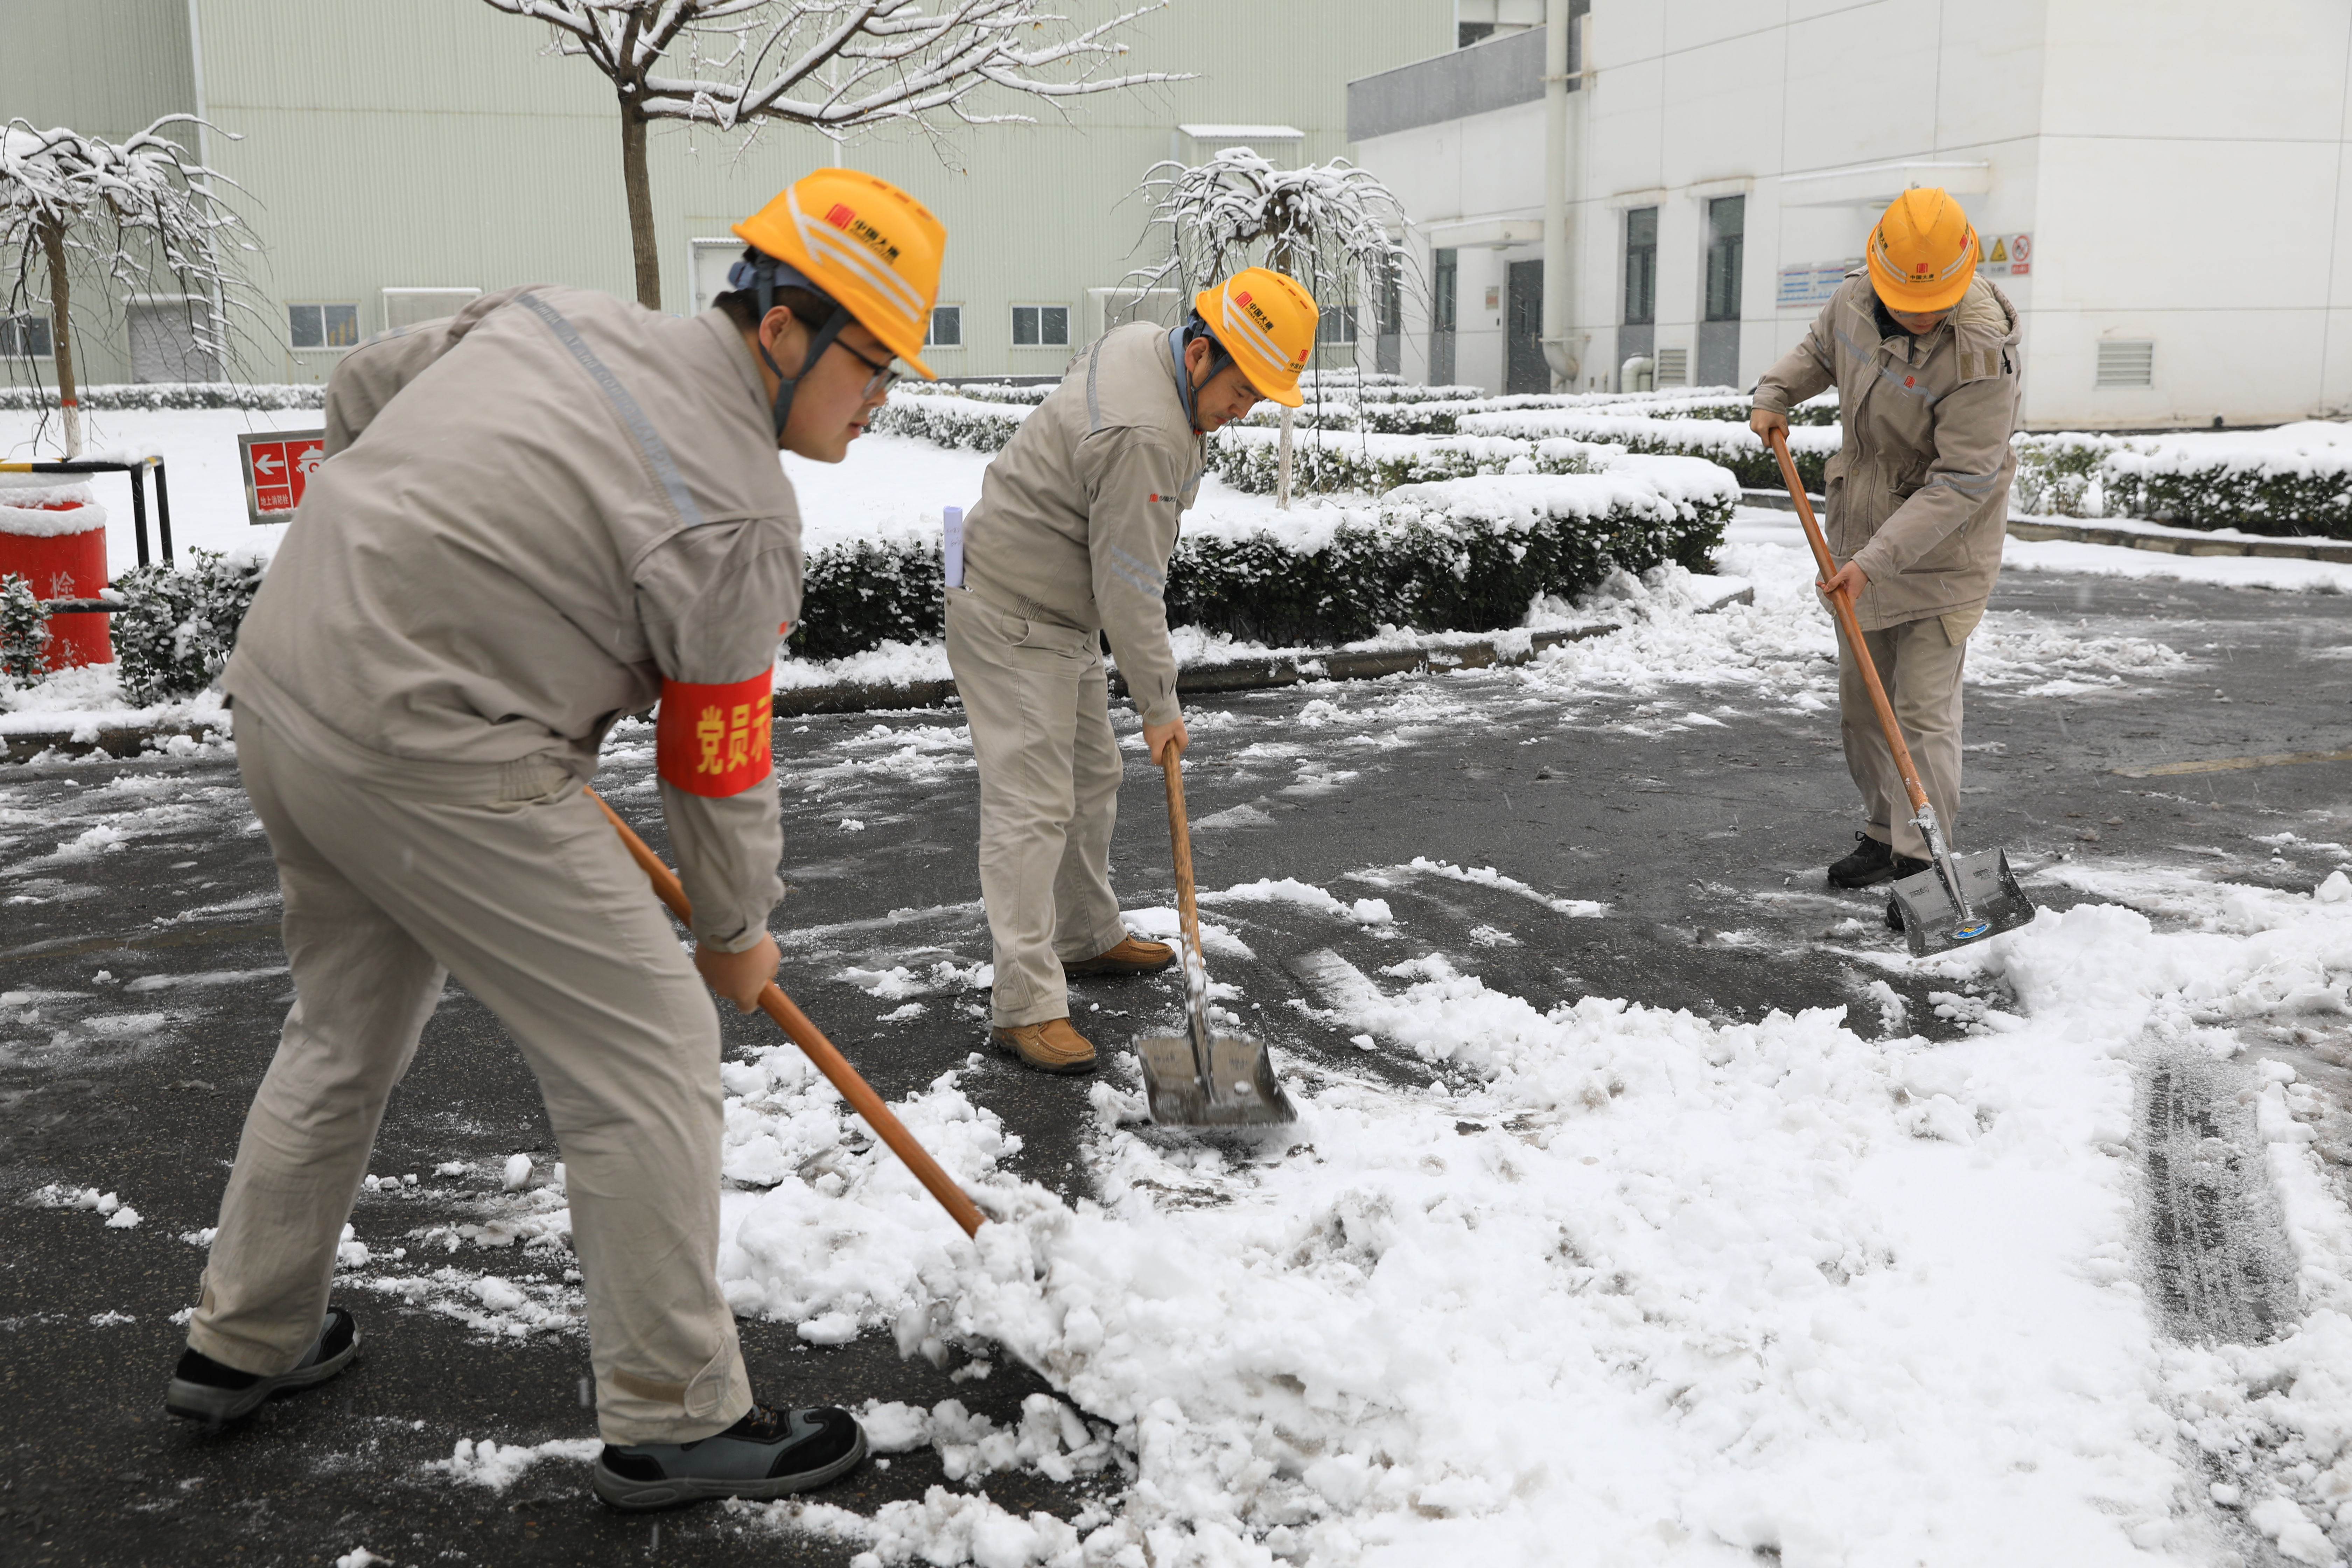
x: 885, y: 377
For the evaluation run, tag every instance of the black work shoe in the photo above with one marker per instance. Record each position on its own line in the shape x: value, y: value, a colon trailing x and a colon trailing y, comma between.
x: 1871, y: 862
x: 204, y: 1390
x: 769, y: 1453
x: 1906, y: 866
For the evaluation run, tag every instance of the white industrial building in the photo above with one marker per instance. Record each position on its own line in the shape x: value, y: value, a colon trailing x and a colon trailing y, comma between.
x: 2166, y: 186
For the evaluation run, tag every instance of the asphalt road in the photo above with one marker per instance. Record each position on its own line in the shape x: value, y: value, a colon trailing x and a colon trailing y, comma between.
x: 1706, y: 839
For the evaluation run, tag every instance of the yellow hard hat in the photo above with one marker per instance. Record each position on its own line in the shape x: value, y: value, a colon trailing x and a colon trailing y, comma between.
x: 1923, y: 253
x: 863, y: 243
x: 1265, y: 323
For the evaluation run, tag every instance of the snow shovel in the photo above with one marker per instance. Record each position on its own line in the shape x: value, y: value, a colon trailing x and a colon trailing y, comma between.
x: 813, y: 1044
x: 1203, y: 1080
x: 1959, y: 898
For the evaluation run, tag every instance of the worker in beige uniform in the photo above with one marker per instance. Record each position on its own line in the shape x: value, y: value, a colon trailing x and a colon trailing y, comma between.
x: 1069, y: 543
x: 1924, y: 355
x: 550, y: 510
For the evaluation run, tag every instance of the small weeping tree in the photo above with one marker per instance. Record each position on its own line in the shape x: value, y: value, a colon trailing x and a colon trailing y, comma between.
x: 1333, y: 226
x: 835, y: 66
x: 131, y: 218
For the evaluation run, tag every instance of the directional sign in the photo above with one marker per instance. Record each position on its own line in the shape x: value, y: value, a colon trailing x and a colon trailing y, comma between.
x: 277, y: 466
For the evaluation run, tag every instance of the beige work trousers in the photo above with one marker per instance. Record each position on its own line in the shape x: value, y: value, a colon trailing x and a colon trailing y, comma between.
x: 537, y: 910
x: 1039, y: 705
x: 1919, y: 664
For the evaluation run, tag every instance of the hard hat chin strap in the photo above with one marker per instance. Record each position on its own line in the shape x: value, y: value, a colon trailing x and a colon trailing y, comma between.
x: 1196, y: 328
x: 767, y: 275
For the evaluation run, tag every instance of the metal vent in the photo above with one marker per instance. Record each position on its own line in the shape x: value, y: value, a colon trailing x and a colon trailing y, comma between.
x: 1674, y: 367
x: 2129, y: 362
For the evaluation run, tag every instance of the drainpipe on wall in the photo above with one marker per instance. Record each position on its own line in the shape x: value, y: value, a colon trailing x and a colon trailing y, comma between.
x: 1560, y: 349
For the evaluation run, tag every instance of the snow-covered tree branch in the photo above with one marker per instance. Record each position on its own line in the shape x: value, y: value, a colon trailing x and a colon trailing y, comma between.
x: 1333, y: 226
x: 835, y: 66
x: 132, y: 216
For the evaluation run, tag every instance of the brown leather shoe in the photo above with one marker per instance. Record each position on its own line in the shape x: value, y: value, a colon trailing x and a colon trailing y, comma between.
x: 1050, y: 1047
x: 1133, y: 956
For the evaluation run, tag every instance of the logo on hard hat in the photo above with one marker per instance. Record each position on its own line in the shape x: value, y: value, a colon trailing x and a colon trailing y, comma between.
x: 1242, y: 298
x: 840, y: 216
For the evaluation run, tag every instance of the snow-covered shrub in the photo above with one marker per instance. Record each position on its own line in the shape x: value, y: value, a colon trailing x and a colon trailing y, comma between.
x: 1325, y: 461
x: 953, y: 422
x: 1030, y: 392
x: 2294, y: 480
x: 1456, y: 555
x: 174, y: 395
x: 2059, y: 474
x: 1734, y: 445
x: 23, y: 629
x: 1461, y: 555
x: 858, y: 596
x: 175, y: 628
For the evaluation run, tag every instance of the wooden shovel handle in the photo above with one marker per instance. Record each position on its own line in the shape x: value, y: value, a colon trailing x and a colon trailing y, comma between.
x: 1179, y: 833
x: 1842, y: 604
x: 813, y: 1043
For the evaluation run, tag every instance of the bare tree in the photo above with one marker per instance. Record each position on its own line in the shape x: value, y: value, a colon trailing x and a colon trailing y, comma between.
x: 1333, y: 226
x: 835, y: 66
x: 128, y: 216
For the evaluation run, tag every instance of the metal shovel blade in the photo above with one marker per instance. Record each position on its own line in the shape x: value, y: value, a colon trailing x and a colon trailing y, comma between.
x: 1238, y: 1090
x: 1921, y: 907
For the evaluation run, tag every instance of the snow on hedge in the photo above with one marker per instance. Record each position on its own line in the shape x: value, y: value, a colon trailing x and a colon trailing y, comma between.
x: 1467, y: 555
x: 159, y: 394
x: 1459, y: 555
x: 1734, y: 445
x: 1327, y: 462
x: 953, y: 421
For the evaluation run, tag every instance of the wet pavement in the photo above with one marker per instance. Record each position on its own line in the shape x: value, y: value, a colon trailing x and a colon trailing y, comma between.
x: 1704, y: 839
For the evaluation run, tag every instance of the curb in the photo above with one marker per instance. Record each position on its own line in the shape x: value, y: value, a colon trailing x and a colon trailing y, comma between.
x: 1239, y: 675
x: 2181, y: 544
x: 2291, y: 548
x: 1245, y: 674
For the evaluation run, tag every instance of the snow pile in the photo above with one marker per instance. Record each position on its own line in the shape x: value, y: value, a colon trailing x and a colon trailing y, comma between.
x: 497, y: 1466
x: 118, y: 1214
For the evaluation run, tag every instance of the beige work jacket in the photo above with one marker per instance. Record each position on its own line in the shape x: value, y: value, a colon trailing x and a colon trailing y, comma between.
x: 1918, y: 493
x: 530, y: 516
x: 1078, y: 515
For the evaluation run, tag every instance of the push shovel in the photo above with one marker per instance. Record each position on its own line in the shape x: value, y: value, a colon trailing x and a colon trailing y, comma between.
x: 1203, y: 1080
x: 1959, y: 898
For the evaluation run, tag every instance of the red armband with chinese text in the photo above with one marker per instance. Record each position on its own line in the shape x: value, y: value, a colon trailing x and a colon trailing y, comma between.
x: 713, y: 740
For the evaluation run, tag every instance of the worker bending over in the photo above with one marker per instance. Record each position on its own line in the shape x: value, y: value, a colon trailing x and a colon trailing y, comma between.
x: 1068, y: 543
x: 1924, y: 355
x: 546, y: 513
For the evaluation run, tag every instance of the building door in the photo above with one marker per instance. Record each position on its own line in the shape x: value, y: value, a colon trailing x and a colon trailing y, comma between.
x: 163, y: 340
x: 1523, y: 366
x: 1718, y: 328
x: 1445, y: 275
x: 1637, y: 332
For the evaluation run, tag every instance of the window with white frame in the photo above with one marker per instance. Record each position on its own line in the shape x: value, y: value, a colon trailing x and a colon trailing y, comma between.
x: 26, y: 337
x: 1041, y: 326
x: 322, y: 326
x: 946, y: 331
x: 1337, y: 324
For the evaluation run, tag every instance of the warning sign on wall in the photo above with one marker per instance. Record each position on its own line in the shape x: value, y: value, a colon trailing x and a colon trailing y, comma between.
x: 277, y: 466
x: 2006, y: 255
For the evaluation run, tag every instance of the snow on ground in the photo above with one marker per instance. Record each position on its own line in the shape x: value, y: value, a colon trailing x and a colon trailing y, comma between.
x: 1676, y: 1291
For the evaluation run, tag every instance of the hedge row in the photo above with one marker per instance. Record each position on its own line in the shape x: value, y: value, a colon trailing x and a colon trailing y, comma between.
x: 1467, y: 554
x: 1322, y: 462
x: 157, y: 394
x: 1734, y: 445
x: 957, y: 423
